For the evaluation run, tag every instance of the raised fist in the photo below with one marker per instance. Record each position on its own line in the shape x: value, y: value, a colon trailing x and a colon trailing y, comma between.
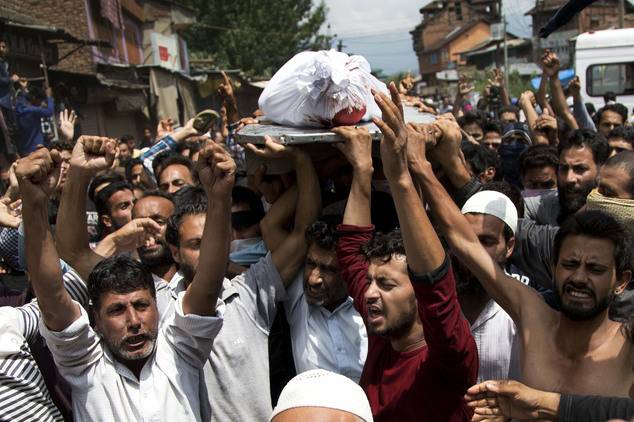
x: 38, y: 174
x: 93, y: 154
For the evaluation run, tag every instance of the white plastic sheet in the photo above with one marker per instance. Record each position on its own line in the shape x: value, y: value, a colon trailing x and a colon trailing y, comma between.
x: 313, y: 86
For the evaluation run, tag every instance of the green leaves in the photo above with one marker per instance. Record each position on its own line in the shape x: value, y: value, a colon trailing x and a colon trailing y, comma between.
x: 257, y: 36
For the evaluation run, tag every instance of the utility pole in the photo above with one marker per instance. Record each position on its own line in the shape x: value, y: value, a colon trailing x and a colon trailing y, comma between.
x: 506, y: 56
x: 621, y: 13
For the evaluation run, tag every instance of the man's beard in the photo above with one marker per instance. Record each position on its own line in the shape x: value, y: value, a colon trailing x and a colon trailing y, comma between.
x: 575, y: 313
x: 400, y: 326
x: 118, y: 348
x: 466, y: 283
x: 571, y: 201
x: 188, y: 272
x: 158, y: 257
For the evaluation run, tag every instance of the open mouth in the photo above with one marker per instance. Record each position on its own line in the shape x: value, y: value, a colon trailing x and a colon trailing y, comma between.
x: 579, y: 294
x: 135, y: 342
x: 375, y: 314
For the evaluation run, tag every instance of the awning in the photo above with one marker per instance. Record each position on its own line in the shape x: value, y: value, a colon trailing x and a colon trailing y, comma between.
x: 50, y: 34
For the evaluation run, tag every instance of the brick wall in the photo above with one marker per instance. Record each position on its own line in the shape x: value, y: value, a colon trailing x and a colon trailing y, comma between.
x: 71, y: 16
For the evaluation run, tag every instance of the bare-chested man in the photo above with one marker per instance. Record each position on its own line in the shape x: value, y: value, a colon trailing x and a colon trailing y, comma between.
x: 578, y: 350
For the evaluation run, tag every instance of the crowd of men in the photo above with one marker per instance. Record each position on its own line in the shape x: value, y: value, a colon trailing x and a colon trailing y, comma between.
x: 474, y: 268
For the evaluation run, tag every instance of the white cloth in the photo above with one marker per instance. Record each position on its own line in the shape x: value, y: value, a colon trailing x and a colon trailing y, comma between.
x: 320, y: 388
x: 336, y: 341
x: 497, y: 339
x: 103, y: 389
x: 313, y: 86
x: 237, y: 373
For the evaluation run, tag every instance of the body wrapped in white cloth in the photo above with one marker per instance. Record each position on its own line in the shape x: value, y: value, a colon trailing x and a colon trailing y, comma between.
x: 321, y: 89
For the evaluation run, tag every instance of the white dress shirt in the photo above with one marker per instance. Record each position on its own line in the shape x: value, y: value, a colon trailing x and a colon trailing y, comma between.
x: 336, y: 341
x: 104, y: 389
x: 497, y: 339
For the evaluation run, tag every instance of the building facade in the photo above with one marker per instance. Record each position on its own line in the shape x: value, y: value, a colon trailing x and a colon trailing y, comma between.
x: 449, y: 28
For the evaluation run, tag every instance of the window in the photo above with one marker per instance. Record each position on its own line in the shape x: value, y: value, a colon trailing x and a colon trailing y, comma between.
x: 433, y: 58
x: 458, y: 10
x: 615, y: 77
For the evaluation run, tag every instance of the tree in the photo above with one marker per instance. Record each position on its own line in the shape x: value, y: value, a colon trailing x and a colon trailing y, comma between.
x: 257, y: 36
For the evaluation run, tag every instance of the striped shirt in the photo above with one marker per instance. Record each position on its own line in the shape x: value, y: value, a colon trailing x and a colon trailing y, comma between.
x: 23, y: 393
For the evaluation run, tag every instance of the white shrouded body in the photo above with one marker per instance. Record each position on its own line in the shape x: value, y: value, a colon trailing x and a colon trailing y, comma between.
x: 313, y: 86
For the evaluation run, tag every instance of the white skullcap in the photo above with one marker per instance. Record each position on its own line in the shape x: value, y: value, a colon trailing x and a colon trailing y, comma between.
x: 320, y: 388
x: 493, y: 203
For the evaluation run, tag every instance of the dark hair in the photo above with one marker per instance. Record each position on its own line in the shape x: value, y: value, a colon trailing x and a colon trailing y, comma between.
x: 61, y: 146
x: 99, y: 180
x: 35, y: 95
x: 625, y: 132
x: 102, y: 197
x: 244, y: 195
x: 323, y: 232
x: 598, y: 225
x: 174, y: 159
x: 480, y: 158
x: 492, y: 127
x: 118, y: 274
x: 616, y: 108
x: 587, y: 138
x: 384, y: 245
x: 590, y: 108
x: 625, y: 160
x: 157, y: 162
x: 470, y: 118
x: 172, y: 235
x: 188, y: 195
x: 609, y: 96
x: 126, y: 138
x: 510, y: 109
x: 538, y: 156
x: 130, y: 165
x: 159, y: 194
x: 512, y: 193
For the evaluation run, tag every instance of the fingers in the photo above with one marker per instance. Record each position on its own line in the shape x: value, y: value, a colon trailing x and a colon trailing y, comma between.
x: 148, y: 224
x: 391, y: 117
x: 225, y: 77
x: 384, y: 128
x: 396, y: 98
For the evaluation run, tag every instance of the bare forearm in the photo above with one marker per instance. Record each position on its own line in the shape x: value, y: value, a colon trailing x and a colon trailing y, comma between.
x: 559, y: 103
x: 44, y: 268
x: 506, y: 101
x: 456, y: 171
x: 357, y: 211
x: 422, y: 245
x: 202, y: 293
x: 233, y: 116
x: 72, y: 229
x: 541, y: 92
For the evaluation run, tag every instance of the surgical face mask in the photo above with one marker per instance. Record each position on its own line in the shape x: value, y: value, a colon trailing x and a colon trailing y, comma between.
x: 530, y: 193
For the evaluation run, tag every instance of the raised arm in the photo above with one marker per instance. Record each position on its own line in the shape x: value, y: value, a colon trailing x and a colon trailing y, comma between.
x: 229, y: 100
x: 527, y: 103
x: 357, y: 148
x: 423, y: 248
x: 90, y: 155
x: 275, y: 224
x: 37, y: 175
x: 550, y: 65
x: 290, y: 255
x: 542, y: 93
x: 462, y: 240
x: 217, y: 171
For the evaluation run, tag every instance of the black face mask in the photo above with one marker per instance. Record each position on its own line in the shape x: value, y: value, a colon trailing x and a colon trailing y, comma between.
x: 509, y: 156
x: 241, y: 220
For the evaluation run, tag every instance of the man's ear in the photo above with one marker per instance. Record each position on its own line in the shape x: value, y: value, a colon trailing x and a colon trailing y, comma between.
x: 510, y: 246
x: 106, y: 221
x: 174, y: 251
x: 622, y: 282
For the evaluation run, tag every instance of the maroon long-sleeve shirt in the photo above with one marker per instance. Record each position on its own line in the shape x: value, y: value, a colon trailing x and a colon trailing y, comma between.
x: 426, y: 384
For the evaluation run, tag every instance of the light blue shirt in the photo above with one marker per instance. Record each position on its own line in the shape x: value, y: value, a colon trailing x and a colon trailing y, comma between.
x: 336, y: 341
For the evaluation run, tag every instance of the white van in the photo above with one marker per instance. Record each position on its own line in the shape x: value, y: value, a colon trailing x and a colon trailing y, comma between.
x: 604, y: 62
